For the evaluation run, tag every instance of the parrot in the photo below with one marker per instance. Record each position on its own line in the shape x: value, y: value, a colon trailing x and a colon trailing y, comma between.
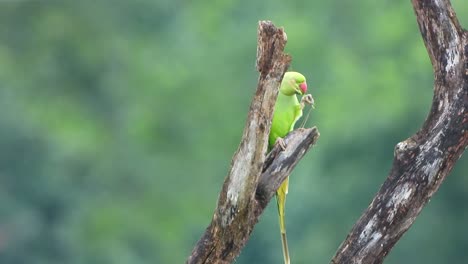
x: 287, y: 111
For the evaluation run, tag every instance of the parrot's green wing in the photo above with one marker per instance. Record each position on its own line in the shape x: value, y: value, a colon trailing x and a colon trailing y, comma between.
x: 287, y: 111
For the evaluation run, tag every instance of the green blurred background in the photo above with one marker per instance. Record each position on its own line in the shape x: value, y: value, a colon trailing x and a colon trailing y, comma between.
x: 119, y: 119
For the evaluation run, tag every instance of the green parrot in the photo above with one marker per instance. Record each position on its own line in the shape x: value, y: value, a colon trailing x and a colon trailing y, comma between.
x: 287, y: 111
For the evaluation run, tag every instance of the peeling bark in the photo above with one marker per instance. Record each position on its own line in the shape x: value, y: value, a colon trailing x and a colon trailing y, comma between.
x: 251, y: 181
x: 423, y: 161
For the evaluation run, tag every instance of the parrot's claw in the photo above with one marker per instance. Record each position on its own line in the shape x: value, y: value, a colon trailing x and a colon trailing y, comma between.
x: 307, y: 99
x: 281, y: 143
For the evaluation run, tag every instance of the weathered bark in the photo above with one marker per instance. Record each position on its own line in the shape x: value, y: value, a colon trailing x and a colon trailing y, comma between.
x: 424, y: 160
x: 251, y: 181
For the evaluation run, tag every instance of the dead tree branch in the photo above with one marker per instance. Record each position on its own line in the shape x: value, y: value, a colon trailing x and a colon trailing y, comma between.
x: 253, y: 178
x: 423, y: 161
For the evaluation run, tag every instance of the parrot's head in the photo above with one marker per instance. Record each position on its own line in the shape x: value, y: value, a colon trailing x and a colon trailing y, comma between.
x: 293, y: 83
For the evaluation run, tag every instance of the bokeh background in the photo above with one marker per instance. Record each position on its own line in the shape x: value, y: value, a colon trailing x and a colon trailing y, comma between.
x: 119, y: 119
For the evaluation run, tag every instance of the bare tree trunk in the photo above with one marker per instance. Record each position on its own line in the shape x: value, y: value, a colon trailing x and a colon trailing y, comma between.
x: 253, y: 178
x: 424, y: 160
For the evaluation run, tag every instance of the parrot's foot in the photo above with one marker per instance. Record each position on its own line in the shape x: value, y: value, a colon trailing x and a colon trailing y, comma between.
x: 307, y: 99
x: 280, y: 141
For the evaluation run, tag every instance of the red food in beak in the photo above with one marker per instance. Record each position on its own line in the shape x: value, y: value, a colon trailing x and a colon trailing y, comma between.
x: 303, y: 87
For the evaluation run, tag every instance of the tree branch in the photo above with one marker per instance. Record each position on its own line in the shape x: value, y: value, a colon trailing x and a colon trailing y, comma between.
x: 280, y: 163
x: 423, y: 161
x: 251, y: 181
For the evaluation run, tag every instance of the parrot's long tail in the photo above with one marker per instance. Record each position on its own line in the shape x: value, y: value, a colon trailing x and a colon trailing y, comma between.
x: 281, y: 200
x: 284, y: 241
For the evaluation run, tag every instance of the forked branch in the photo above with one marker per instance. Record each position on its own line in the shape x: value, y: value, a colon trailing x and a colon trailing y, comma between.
x: 251, y: 181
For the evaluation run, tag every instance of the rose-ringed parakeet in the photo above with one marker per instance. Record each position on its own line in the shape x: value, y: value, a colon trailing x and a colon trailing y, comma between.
x: 287, y: 111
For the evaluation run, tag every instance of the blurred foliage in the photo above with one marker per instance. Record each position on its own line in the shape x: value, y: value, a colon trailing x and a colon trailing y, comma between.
x: 119, y: 120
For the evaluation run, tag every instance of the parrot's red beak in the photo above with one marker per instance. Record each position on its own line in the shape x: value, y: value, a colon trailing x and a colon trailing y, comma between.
x: 303, y: 87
